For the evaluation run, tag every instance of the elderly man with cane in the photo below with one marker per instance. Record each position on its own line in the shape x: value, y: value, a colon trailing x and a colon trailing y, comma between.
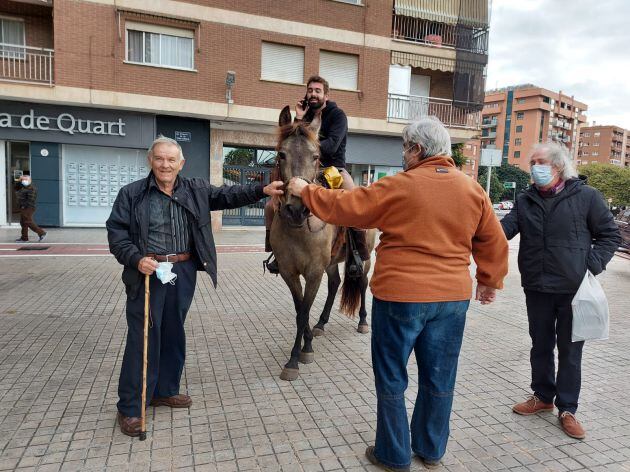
x: 161, y: 225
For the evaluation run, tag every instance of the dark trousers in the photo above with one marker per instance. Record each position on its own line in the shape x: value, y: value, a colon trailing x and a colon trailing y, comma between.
x: 169, y: 305
x: 26, y: 221
x: 550, y: 320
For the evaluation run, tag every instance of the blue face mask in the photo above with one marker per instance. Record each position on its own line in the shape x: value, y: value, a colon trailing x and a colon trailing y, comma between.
x: 542, y: 174
x: 26, y: 183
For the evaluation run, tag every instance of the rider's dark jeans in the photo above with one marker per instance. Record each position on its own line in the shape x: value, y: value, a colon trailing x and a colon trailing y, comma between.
x: 434, y: 332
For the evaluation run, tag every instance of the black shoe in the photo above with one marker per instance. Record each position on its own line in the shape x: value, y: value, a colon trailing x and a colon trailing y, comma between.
x: 271, y: 265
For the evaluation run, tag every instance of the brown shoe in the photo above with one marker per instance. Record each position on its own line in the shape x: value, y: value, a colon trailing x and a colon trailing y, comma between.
x: 532, y: 406
x: 176, y: 401
x: 129, y: 425
x: 571, y: 426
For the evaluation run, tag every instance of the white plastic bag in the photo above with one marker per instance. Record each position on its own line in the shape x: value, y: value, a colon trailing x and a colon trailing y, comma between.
x: 590, y: 311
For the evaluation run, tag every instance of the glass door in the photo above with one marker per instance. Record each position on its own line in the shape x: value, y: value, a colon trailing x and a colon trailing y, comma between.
x: 18, y: 164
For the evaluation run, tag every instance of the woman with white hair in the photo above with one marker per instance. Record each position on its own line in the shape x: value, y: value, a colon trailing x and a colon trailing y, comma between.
x: 566, y: 229
x: 432, y: 218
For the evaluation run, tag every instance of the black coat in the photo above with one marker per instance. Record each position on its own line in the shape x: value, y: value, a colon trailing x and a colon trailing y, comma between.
x: 557, y: 245
x: 128, y: 224
x: 26, y: 196
x: 333, y: 135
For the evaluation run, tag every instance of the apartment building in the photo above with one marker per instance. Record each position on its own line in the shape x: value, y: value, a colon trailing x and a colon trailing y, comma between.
x: 472, y: 152
x: 516, y: 118
x: 85, y: 86
x: 604, y: 145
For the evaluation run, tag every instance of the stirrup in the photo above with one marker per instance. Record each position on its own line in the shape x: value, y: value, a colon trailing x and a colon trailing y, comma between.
x: 271, y: 265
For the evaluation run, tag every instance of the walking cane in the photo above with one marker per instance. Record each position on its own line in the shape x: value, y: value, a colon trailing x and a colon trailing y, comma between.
x: 145, y: 347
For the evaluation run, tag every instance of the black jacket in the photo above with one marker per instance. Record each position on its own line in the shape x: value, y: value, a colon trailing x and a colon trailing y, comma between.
x: 128, y: 224
x: 558, y: 245
x: 332, y: 135
x: 26, y: 196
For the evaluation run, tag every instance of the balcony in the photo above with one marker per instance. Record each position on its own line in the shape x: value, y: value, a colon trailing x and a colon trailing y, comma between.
x: 433, y: 33
x: 489, y: 135
x: 26, y: 64
x: 488, y: 123
x: 404, y: 108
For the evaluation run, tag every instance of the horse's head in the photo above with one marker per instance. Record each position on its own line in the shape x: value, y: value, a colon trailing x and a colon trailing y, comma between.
x: 297, y: 156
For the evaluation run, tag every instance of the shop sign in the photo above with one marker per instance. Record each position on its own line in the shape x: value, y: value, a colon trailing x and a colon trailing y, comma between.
x: 65, y: 122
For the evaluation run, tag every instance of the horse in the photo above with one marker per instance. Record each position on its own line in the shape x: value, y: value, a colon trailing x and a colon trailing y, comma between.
x: 303, y: 244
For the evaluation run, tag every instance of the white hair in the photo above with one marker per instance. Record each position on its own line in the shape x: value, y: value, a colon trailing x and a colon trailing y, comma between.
x: 164, y: 140
x: 430, y: 133
x: 558, y: 157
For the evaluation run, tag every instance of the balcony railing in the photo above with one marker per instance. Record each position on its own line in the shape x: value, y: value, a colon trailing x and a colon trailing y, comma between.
x: 403, y: 108
x: 26, y: 64
x: 489, y: 123
x: 437, y: 34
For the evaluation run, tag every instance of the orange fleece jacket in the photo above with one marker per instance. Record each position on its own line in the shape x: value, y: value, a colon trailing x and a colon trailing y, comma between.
x: 432, y: 218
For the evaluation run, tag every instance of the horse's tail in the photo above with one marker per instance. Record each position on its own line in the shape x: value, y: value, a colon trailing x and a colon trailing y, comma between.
x: 352, y: 285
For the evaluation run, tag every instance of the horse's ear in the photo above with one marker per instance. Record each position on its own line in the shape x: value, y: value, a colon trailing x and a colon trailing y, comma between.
x: 316, y: 123
x: 285, y: 116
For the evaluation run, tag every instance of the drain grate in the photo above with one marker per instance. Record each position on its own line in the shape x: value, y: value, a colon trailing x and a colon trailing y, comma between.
x: 34, y: 248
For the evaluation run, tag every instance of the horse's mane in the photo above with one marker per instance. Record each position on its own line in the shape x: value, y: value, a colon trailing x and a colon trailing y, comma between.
x: 298, y: 128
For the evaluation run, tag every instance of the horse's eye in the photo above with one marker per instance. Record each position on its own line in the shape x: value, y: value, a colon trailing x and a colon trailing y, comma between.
x: 282, y: 155
x: 315, y: 157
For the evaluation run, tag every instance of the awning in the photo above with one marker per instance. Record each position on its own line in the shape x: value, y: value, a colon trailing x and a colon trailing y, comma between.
x: 422, y: 61
x: 469, y: 12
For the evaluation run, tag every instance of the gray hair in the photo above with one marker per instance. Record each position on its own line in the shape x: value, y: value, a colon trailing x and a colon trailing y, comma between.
x: 430, y: 133
x: 164, y: 140
x: 558, y: 156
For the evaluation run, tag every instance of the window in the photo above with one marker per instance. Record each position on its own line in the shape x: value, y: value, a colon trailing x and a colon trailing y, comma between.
x: 587, y: 135
x: 597, y: 134
x: 12, y: 32
x: 546, y: 99
x: 340, y: 70
x: 596, y: 143
x: 519, y: 129
x: 517, y: 154
x: 160, y: 46
x: 595, y: 153
x: 517, y: 142
x: 520, y: 100
x: 282, y: 63
x: 520, y: 115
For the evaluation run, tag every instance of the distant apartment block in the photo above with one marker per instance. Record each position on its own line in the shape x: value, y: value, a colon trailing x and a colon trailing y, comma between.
x: 604, y: 145
x: 516, y: 118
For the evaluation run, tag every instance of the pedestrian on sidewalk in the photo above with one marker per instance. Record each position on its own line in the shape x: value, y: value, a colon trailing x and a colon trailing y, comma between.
x: 566, y: 229
x: 26, y: 199
x: 165, y: 218
x: 432, y: 217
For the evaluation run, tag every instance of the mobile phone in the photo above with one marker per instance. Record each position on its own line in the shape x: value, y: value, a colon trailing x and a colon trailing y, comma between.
x: 305, y: 102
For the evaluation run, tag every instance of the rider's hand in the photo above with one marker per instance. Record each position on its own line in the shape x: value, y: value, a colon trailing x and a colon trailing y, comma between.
x: 296, y: 185
x: 274, y: 188
x: 300, y: 109
x: 147, y: 265
x: 485, y: 294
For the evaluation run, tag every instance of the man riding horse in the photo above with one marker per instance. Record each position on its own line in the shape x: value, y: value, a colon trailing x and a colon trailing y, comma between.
x: 332, y: 146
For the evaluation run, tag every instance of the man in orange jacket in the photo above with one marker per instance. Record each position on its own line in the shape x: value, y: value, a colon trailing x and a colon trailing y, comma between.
x: 432, y: 218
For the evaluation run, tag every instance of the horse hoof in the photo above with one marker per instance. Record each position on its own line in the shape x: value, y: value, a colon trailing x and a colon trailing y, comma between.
x: 363, y: 329
x: 318, y: 332
x: 289, y: 374
x: 306, y: 357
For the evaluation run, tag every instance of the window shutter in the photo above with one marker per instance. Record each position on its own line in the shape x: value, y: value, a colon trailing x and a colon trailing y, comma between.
x: 282, y: 63
x: 340, y: 70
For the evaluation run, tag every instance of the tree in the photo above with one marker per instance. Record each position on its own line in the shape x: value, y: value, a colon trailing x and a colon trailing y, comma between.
x: 509, y: 173
x: 613, y: 181
x: 496, y: 187
x: 457, y: 153
x: 239, y: 157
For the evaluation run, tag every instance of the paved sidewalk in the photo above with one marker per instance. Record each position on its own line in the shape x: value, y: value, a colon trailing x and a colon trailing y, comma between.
x: 62, y: 331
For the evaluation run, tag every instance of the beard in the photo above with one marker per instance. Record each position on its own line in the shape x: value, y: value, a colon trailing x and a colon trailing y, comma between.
x: 315, y: 105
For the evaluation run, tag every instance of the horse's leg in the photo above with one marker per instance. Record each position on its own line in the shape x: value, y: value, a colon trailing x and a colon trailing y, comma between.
x: 363, y: 327
x: 307, y: 355
x: 290, y: 371
x: 334, y: 280
x: 313, y: 282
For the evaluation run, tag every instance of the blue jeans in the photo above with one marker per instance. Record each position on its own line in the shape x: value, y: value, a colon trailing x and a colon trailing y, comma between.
x: 434, y: 332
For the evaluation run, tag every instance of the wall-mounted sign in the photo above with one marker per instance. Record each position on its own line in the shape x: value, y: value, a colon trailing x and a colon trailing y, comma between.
x: 65, y: 122
x: 183, y: 136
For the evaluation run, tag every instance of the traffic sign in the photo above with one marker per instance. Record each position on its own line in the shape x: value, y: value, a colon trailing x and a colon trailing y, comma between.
x: 490, y: 157
x: 509, y: 184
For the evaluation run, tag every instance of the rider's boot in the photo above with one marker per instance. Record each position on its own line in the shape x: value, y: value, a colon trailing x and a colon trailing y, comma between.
x: 271, y: 264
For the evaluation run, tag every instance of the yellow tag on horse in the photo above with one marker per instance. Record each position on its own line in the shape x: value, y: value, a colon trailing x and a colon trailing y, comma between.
x: 333, y: 177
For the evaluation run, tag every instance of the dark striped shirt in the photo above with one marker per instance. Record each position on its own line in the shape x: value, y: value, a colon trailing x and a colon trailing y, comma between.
x: 169, y: 231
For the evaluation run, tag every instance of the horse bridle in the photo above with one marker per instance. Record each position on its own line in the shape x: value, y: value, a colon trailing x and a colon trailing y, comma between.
x: 310, y: 181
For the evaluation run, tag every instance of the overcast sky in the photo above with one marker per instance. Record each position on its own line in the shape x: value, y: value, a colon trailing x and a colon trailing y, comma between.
x: 581, y: 47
